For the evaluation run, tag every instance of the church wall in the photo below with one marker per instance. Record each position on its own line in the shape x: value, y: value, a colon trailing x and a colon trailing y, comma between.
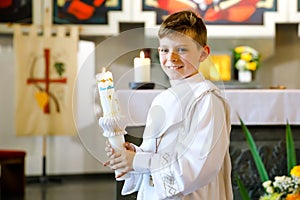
x: 67, y: 155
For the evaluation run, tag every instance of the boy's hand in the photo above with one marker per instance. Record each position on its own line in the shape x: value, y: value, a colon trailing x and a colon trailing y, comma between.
x: 108, y: 149
x: 129, y: 146
x: 120, y: 160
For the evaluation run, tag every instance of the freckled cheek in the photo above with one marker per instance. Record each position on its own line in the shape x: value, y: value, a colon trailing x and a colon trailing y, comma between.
x: 162, y: 60
x: 191, y: 61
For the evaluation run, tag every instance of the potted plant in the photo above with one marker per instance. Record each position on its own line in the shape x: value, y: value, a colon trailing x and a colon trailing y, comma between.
x: 246, y: 62
x: 284, y: 187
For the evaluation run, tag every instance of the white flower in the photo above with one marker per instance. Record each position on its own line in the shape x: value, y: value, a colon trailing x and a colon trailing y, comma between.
x: 296, y: 179
x: 251, y: 50
x: 279, y: 178
x: 280, y: 187
x: 240, y: 64
x: 283, y: 182
x: 270, y: 190
x: 267, y: 183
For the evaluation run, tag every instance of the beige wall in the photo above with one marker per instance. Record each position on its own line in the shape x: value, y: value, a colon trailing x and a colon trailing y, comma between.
x: 283, y: 67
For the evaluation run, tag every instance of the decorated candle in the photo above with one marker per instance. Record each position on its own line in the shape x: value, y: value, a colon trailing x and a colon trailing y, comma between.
x: 108, y: 97
x: 141, y: 68
x: 112, y: 123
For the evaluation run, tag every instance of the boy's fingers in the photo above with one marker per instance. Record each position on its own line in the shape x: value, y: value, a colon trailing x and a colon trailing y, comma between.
x: 127, y: 145
x: 120, y: 175
x: 105, y: 164
x: 108, y: 144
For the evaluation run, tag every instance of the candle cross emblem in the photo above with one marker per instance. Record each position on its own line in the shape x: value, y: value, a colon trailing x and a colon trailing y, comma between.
x: 108, y: 82
x: 44, y: 94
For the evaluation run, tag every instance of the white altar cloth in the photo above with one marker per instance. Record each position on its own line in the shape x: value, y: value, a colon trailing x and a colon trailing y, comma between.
x: 254, y: 106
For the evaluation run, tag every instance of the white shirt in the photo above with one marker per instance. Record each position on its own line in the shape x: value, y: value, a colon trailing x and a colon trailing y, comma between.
x: 185, y: 145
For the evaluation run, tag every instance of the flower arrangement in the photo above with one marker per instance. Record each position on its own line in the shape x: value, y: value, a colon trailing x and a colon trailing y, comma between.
x: 246, y: 58
x: 283, y: 187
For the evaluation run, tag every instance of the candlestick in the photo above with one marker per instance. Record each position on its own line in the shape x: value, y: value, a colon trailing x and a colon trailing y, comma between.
x: 112, y: 122
x: 142, y: 67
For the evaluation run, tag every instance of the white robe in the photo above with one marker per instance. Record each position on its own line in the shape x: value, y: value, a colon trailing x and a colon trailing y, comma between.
x: 192, y: 159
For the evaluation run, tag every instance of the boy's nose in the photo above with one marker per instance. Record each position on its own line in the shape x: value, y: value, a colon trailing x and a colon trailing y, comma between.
x: 173, y: 57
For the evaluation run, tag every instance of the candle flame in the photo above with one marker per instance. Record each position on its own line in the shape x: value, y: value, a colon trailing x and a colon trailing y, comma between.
x: 142, y: 55
x: 103, y: 69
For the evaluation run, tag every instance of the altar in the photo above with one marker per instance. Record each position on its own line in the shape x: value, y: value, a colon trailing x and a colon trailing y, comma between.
x: 254, y: 106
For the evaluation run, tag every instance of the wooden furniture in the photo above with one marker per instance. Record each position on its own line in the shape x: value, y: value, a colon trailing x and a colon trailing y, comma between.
x: 12, y: 179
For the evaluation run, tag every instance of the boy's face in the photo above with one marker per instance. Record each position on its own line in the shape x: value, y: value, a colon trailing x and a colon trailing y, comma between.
x: 180, y: 56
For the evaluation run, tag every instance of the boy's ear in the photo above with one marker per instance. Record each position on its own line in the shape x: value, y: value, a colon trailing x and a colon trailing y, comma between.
x: 204, y: 53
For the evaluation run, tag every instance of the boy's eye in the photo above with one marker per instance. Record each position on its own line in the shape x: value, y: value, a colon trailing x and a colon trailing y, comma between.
x: 181, y: 50
x: 163, y: 50
x: 178, y: 50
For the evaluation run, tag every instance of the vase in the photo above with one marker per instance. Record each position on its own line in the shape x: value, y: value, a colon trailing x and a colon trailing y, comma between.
x: 245, y: 76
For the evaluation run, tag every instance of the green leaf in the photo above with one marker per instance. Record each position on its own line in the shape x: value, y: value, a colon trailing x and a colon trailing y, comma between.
x: 257, y: 159
x: 242, y: 189
x: 290, y: 148
x: 60, y: 68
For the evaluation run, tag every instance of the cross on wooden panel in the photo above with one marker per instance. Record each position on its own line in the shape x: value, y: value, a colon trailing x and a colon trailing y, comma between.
x: 47, y: 81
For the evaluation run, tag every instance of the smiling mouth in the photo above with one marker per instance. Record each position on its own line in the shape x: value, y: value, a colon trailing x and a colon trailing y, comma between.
x: 174, y: 67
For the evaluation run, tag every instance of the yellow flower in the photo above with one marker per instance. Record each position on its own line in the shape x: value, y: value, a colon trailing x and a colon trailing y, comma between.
x: 296, y: 171
x: 293, y: 197
x: 239, y: 49
x: 246, y: 56
x: 251, y: 66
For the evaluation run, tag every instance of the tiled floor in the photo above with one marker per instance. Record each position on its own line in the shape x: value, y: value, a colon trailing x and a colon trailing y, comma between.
x: 98, y: 187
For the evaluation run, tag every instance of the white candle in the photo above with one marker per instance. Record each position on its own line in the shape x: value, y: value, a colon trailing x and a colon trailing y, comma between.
x: 108, y: 96
x: 142, y: 68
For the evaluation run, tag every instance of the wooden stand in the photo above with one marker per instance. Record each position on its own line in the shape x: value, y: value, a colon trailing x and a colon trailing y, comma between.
x: 44, y: 178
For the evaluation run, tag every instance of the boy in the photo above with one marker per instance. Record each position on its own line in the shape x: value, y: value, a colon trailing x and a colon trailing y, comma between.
x: 185, y: 148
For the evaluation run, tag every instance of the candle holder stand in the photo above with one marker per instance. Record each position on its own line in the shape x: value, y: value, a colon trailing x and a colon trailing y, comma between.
x: 141, y: 85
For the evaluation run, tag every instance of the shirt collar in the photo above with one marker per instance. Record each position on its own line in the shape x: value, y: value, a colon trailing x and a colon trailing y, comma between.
x: 193, y: 79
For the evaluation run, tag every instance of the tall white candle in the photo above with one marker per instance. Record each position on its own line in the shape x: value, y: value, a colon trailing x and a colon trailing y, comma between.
x: 142, y: 67
x: 111, y: 122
